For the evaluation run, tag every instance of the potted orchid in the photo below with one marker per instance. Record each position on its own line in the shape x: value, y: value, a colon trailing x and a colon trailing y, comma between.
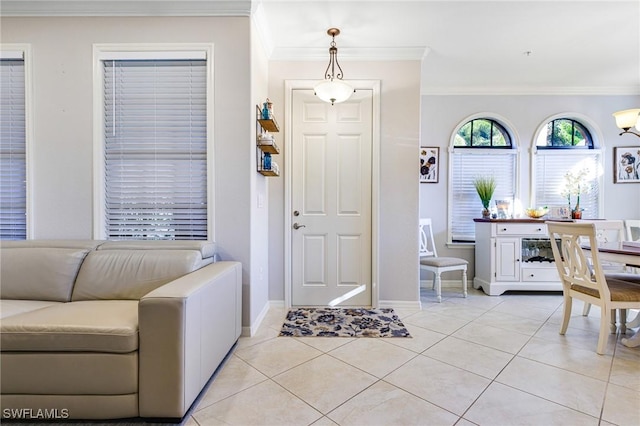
x: 575, y: 183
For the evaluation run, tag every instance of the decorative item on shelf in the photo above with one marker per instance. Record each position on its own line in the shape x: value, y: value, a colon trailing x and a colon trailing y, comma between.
x: 576, y: 183
x: 266, y: 161
x: 627, y: 119
x: 267, y: 110
x: 537, y: 213
x: 333, y: 89
x: 504, y: 209
x: 485, y: 186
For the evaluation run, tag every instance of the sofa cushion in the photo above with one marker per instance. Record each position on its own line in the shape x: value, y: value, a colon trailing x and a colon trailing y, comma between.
x: 207, y: 249
x: 130, y: 274
x: 9, y: 307
x: 39, y: 273
x: 93, y: 326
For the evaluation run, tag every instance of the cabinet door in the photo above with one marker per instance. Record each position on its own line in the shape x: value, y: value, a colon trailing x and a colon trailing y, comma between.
x: 507, y: 259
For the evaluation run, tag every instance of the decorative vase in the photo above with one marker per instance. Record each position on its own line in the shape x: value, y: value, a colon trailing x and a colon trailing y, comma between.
x: 486, y: 214
x: 576, y: 213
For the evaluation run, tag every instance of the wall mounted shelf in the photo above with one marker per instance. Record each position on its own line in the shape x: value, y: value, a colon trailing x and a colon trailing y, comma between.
x: 265, y: 145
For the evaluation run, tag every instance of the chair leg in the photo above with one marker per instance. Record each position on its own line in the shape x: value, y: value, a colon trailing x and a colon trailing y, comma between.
x: 566, y: 314
x: 613, y: 328
x: 586, y: 309
x: 464, y: 282
x: 605, y: 321
x: 623, y: 321
x: 437, y: 282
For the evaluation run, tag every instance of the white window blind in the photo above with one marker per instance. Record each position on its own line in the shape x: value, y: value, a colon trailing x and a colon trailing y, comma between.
x: 466, y: 165
x: 155, y: 149
x: 551, y: 167
x: 13, y: 165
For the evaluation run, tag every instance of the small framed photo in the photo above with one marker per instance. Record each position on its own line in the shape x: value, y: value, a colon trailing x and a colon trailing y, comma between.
x: 559, y: 212
x: 626, y: 166
x: 429, y: 164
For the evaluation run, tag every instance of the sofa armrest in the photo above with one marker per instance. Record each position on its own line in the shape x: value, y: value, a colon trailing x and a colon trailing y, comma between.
x: 186, y: 327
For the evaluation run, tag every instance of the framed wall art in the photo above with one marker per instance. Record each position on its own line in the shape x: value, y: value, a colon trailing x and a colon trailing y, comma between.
x: 626, y: 166
x: 429, y: 164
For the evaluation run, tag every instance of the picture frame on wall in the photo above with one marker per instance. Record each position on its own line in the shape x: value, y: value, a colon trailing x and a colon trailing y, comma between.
x: 626, y: 166
x: 429, y: 164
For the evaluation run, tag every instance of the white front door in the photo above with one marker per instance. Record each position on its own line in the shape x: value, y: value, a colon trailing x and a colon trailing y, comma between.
x: 331, y: 149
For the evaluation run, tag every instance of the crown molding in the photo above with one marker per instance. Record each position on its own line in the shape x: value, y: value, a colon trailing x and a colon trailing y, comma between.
x: 25, y: 8
x: 531, y: 90
x: 351, y: 53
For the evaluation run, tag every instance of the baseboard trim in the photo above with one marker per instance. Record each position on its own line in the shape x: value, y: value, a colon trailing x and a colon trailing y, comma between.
x: 253, y: 328
x: 400, y: 304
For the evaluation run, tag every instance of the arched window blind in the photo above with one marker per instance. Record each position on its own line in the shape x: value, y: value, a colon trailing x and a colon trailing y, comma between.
x: 551, y: 167
x: 564, y: 146
x: 466, y: 165
x: 13, y: 164
x: 155, y: 149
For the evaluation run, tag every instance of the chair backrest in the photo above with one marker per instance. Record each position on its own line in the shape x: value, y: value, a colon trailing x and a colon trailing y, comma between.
x: 633, y: 229
x: 608, y: 230
x: 573, y: 266
x: 427, y: 244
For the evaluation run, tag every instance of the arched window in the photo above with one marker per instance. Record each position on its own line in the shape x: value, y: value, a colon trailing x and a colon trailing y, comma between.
x: 565, y: 150
x: 481, y: 147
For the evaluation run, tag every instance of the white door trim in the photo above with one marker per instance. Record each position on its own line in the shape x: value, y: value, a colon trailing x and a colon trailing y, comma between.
x: 374, y: 85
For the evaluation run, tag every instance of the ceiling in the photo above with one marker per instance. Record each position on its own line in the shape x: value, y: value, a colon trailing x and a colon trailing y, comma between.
x: 466, y: 47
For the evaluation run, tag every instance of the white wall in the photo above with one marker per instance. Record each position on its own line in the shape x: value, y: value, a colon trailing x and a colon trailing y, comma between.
x: 258, y: 294
x: 399, y: 127
x: 62, y: 121
x: 441, y: 114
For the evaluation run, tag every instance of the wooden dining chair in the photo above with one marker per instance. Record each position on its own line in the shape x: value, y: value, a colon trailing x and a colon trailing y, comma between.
x: 607, y: 231
x: 632, y: 227
x: 585, y: 280
x: 430, y: 261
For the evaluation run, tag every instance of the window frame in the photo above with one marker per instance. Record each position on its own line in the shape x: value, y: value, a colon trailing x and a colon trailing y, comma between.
x: 514, y: 150
x: 596, y: 149
x: 25, y: 50
x: 119, y: 51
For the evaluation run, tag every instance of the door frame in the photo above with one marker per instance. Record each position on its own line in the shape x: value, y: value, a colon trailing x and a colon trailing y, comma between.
x: 374, y: 86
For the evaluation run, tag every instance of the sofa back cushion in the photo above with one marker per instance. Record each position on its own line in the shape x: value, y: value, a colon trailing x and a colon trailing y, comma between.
x: 130, y: 274
x: 39, y: 273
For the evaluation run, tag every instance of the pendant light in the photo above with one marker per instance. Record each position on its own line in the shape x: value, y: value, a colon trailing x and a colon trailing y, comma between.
x: 333, y: 89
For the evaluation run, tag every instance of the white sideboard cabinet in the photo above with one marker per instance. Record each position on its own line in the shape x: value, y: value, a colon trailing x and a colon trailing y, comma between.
x: 514, y: 254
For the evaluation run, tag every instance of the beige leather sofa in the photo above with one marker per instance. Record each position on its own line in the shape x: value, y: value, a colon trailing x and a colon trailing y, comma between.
x: 98, y: 330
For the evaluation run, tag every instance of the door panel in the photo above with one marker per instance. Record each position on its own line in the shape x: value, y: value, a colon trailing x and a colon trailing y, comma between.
x: 331, y: 151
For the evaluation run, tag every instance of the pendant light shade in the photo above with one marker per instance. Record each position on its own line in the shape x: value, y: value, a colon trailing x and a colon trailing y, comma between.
x: 333, y: 89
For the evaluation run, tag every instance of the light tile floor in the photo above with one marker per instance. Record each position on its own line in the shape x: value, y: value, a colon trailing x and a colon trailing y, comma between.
x: 481, y: 360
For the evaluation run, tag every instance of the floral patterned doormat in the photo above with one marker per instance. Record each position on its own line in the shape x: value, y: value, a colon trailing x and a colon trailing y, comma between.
x: 343, y: 322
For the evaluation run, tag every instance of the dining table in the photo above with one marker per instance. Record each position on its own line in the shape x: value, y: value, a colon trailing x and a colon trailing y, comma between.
x: 627, y: 253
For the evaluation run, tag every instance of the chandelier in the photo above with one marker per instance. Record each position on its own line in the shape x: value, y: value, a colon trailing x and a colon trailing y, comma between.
x: 333, y: 89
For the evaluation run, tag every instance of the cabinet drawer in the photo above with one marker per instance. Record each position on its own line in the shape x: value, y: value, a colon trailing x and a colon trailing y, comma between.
x: 540, y: 274
x: 521, y: 229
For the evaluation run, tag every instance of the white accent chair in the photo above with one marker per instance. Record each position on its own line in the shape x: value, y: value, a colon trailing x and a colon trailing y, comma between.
x: 429, y: 260
x: 585, y: 280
